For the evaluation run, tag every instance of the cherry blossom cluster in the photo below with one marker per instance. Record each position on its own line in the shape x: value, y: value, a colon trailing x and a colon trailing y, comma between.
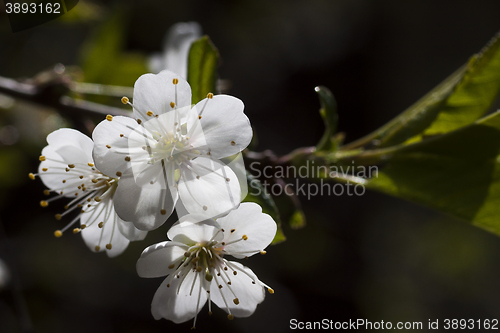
x: 136, y: 171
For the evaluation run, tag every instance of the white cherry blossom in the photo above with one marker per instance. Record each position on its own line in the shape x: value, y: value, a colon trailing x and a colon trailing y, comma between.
x: 68, y: 170
x: 172, y: 150
x: 197, y: 270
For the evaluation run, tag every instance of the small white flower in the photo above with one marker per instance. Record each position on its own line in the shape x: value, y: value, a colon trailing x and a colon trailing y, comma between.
x: 197, y: 270
x: 172, y: 150
x: 67, y: 169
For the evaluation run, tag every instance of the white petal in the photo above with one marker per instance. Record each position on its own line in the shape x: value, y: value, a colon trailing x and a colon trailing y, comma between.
x: 155, y: 92
x: 249, y: 295
x: 209, y: 187
x: 130, y: 231
x: 112, y: 144
x: 156, y: 259
x: 191, y: 233
x: 55, y: 175
x: 108, y: 234
x: 179, y: 306
x: 72, y: 145
x: 237, y: 164
x: 226, y: 128
x: 143, y: 205
x: 247, y: 220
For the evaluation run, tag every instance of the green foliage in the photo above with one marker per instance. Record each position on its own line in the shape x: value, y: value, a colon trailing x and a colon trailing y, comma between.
x: 202, y: 68
x: 457, y: 173
x: 328, y: 112
x: 297, y: 220
x: 103, y: 59
x: 259, y: 195
x: 436, y: 153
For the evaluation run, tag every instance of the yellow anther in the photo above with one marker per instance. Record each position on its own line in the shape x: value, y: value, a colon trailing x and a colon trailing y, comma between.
x: 83, y: 226
x: 58, y: 233
x: 101, y: 224
x: 67, y: 169
x: 263, y: 252
x: 97, y: 199
x: 175, y: 81
x: 139, y: 121
x: 172, y: 105
x: 271, y: 290
x: 233, y: 230
x: 198, y: 269
x: 230, y: 317
x: 210, y: 95
x: 171, y: 266
x: 46, y: 192
x: 199, y: 117
x: 108, y: 146
x: 235, y: 273
x: 44, y: 203
x: 205, y: 207
x: 32, y: 176
x: 81, y: 177
x: 109, y: 246
x: 209, y: 313
x: 121, y: 135
x: 187, y: 254
x: 118, y: 173
x: 58, y: 216
x: 64, y: 181
x: 76, y: 230
x: 90, y: 164
x: 125, y: 100
x: 244, y: 237
x: 42, y: 158
x: 149, y: 113
x: 71, y: 166
x: 127, y: 158
x: 44, y: 169
x: 227, y: 179
x: 66, y: 207
x: 233, y: 143
x: 163, y: 212
x: 94, y: 180
x: 236, y: 301
x: 97, y: 248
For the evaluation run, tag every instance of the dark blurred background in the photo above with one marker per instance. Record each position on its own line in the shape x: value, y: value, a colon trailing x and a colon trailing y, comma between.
x: 371, y: 257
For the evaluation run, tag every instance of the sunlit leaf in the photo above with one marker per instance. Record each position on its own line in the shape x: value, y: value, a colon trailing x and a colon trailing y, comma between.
x: 457, y: 173
x: 202, y: 68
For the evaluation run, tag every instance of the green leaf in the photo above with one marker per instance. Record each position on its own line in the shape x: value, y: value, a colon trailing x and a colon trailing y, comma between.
x: 462, y: 98
x: 202, y: 68
x: 258, y: 194
x: 329, y: 114
x: 457, y: 173
x: 297, y: 220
